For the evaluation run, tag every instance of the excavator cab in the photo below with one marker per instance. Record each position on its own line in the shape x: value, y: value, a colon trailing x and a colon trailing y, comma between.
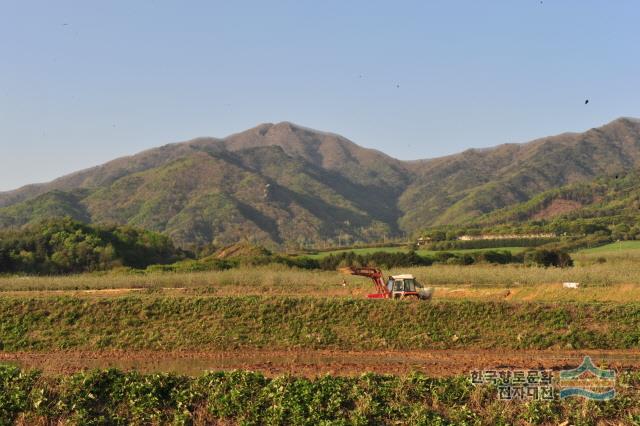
x: 401, y: 286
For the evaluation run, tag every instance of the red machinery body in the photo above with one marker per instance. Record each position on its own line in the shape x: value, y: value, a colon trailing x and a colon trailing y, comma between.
x: 396, y: 288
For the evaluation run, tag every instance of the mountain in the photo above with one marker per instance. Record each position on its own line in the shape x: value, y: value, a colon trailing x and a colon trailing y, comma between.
x: 275, y: 183
x: 610, y: 200
x: 281, y: 184
x: 460, y: 187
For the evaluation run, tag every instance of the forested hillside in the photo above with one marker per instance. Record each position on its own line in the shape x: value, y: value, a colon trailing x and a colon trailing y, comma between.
x: 283, y: 185
x: 65, y: 246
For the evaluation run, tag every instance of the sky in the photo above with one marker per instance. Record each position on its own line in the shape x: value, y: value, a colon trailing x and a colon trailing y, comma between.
x: 83, y: 82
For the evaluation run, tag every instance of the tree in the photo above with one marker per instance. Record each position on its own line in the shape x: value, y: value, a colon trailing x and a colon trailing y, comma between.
x: 543, y: 257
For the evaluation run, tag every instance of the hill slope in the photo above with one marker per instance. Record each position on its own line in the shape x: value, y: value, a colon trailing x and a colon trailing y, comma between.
x: 611, y: 200
x: 272, y: 184
x: 456, y: 188
x: 285, y: 184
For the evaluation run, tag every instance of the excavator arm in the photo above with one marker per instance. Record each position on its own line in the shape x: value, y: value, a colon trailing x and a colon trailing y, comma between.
x: 376, y: 276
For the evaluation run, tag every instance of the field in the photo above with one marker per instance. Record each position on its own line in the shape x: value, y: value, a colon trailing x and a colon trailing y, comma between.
x: 623, y: 269
x: 114, y: 397
x: 617, y: 247
x: 183, y: 344
x: 421, y: 252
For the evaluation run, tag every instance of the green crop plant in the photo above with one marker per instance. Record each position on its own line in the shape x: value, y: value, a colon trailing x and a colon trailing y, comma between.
x: 242, y: 397
x: 167, y: 323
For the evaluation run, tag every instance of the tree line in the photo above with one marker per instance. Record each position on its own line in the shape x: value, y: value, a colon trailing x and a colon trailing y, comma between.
x: 388, y: 260
x: 62, y: 246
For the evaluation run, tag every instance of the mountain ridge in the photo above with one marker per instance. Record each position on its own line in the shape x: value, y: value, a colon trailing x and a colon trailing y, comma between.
x: 284, y: 183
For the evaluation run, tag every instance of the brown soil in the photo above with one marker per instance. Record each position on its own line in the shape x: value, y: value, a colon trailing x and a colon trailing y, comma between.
x: 312, y: 363
x: 556, y: 208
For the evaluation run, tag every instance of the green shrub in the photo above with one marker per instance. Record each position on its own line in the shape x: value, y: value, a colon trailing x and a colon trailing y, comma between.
x: 543, y: 257
x: 62, y: 246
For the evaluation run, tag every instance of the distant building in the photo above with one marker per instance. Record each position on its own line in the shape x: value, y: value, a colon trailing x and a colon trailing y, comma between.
x: 422, y: 241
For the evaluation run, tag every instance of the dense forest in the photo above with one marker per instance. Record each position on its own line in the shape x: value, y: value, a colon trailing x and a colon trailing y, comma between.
x: 58, y: 246
x: 579, y: 215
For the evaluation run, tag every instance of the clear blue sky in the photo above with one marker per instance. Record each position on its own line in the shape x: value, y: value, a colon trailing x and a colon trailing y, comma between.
x: 83, y: 82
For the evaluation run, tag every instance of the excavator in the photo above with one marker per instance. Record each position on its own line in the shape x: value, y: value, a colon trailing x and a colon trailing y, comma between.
x: 396, y: 287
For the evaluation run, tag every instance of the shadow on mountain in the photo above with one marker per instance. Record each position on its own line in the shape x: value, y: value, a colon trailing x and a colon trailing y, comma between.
x: 267, y: 224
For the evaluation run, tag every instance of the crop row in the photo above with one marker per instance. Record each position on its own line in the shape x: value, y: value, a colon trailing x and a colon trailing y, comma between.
x: 164, y: 323
x: 239, y: 397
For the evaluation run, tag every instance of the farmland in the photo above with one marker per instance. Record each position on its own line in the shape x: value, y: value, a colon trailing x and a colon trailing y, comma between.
x: 251, y: 398
x: 308, y: 356
x: 620, y: 246
x: 178, y: 323
x: 403, y: 249
x: 592, y: 270
x: 458, y: 243
x: 310, y: 336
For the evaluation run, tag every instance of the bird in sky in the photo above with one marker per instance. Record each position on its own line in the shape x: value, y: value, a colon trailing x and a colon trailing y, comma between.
x: 586, y: 101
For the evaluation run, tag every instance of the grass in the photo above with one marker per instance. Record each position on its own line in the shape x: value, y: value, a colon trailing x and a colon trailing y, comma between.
x: 279, y: 280
x: 366, y: 250
x: 613, y: 247
x: 241, y: 397
x: 552, y: 292
x: 261, y: 280
x: 513, y: 250
x: 594, y: 274
x: 174, y: 323
x: 619, y: 254
x: 396, y: 249
x: 549, y: 293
